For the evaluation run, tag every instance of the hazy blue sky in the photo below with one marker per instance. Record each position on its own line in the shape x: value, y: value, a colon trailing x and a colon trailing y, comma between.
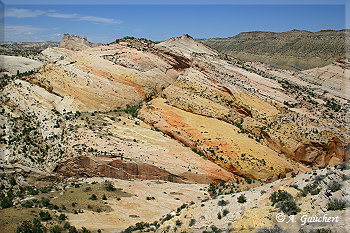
x: 34, y: 21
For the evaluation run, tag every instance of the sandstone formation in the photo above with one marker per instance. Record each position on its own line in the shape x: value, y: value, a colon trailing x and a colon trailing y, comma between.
x: 161, y: 121
x: 187, y: 91
x: 74, y: 43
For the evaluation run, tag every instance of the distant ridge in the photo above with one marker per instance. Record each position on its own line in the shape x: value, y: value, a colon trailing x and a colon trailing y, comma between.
x: 296, y: 48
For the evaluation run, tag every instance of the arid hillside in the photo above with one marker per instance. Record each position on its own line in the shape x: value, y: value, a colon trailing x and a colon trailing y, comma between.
x: 293, y: 49
x: 175, y: 115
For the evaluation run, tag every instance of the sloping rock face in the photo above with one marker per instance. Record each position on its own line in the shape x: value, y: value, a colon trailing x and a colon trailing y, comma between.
x: 74, y: 43
x: 220, y: 141
x: 257, y: 214
x: 86, y: 166
x: 177, y: 106
x: 13, y: 64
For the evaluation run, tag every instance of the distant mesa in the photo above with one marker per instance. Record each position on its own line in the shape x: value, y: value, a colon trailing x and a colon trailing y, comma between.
x: 75, y: 43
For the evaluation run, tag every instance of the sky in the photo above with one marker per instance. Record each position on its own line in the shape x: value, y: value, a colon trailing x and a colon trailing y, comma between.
x: 159, y: 20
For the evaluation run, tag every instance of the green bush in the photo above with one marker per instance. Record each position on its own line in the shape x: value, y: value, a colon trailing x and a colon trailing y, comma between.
x: 72, y: 229
x: 93, y: 197
x: 109, y: 186
x: 45, y: 201
x: 56, y: 229
x: 45, y: 216
x: 334, y: 186
x: 241, y: 199
x: 84, y: 230
x: 27, y: 204
x: 225, y: 212
x: 31, y: 227
x: 192, y: 222
x: 336, y: 204
x: 133, y: 110
x: 223, y: 203
x: 275, y: 229
x: 6, y: 202
x: 288, y: 207
x: 280, y: 195
x: 62, y: 217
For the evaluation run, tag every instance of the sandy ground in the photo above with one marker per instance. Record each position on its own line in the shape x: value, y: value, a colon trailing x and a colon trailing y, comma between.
x: 130, y: 210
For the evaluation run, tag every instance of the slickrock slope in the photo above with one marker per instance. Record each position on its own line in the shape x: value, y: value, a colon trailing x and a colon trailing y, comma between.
x: 245, y: 119
x: 11, y: 64
x: 312, y: 193
x: 333, y: 78
x: 220, y: 141
x: 185, y: 46
x: 180, y: 114
x: 119, y: 147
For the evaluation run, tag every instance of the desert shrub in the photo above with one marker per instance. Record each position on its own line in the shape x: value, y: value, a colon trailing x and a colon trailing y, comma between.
x: 192, y: 222
x: 72, y: 229
x: 167, y: 217
x: 219, y: 215
x: 45, y: 216
x: 6, y: 202
x: 345, y: 177
x: 62, y: 217
x: 178, y: 223
x: 27, y: 204
x: 56, y: 229
x: 279, y: 196
x: 45, y: 201
x: 334, y: 186
x: 275, y: 229
x: 343, y: 166
x: 93, y: 197
x: 336, y: 204
x: 31, y: 227
x: 109, y: 186
x: 241, y: 199
x: 318, y: 179
x: 214, y: 229
x: 223, y: 203
x: 32, y: 190
x: 133, y: 110
x: 225, y: 212
x: 248, y: 180
x: 320, y: 230
x: 46, y: 189
x: 104, y: 197
x: 183, y: 206
x: 84, y: 230
x: 289, y: 207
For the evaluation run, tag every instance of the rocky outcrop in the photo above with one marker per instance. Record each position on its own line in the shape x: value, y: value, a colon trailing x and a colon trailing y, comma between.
x: 323, y: 154
x: 257, y: 214
x: 89, y: 167
x: 74, y: 43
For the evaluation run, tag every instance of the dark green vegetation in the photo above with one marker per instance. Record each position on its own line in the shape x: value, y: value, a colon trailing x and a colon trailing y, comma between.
x: 292, y: 49
x: 45, y: 207
x: 337, y: 204
x: 284, y: 201
x: 140, y: 44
